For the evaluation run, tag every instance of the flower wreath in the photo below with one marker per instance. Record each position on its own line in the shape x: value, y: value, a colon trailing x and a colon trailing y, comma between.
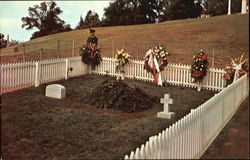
x: 155, y: 60
x: 91, y: 56
x: 121, y: 59
x: 199, y: 67
x: 230, y: 76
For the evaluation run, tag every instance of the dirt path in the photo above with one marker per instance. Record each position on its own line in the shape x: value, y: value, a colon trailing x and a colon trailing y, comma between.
x: 233, y: 141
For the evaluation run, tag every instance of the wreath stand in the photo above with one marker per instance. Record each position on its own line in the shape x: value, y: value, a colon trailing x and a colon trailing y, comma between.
x: 120, y: 75
x: 158, y: 79
x: 199, y: 86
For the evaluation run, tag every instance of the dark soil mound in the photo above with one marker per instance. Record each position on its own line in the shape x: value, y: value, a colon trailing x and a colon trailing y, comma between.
x: 120, y: 96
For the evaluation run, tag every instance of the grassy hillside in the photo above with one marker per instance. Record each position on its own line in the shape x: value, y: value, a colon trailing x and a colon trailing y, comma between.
x: 226, y: 35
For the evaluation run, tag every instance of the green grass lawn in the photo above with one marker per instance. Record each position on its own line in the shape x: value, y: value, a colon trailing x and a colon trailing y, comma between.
x: 38, y: 127
x: 227, y: 36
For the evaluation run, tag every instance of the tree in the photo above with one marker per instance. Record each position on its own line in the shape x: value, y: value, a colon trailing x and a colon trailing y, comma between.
x: 216, y: 7
x: 127, y: 12
x: 181, y: 9
x: 220, y: 7
x: 81, y: 24
x: 92, y: 19
x: 236, y: 6
x: 113, y: 13
x: 3, y: 42
x: 13, y: 42
x: 45, y: 18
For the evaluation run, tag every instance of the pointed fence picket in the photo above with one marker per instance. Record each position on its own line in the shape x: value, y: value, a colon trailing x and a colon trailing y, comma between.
x: 190, y: 136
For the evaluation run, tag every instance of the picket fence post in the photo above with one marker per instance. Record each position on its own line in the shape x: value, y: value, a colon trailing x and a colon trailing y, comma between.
x: 66, y: 68
x: 37, y: 77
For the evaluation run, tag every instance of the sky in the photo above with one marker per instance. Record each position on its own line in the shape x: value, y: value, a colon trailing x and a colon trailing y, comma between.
x: 11, y: 13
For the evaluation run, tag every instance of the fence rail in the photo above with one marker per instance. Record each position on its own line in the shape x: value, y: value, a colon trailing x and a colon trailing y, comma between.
x: 190, y: 136
x: 33, y: 73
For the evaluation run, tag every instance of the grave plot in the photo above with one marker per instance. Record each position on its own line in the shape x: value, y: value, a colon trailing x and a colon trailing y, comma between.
x: 35, y: 126
x: 122, y: 96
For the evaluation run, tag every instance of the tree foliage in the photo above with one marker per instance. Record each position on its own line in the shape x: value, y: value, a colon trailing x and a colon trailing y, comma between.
x: 180, y: 9
x: 91, y: 20
x: 127, y: 12
x: 3, y: 42
x: 220, y: 7
x: 45, y: 18
x: 13, y: 42
x: 80, y: 24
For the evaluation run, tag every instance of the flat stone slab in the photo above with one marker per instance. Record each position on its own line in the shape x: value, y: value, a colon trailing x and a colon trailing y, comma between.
x: 167, y: 115
x: 55, y: 91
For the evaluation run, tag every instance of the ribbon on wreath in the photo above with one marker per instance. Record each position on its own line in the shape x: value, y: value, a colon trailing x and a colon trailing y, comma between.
x: 153, y: 63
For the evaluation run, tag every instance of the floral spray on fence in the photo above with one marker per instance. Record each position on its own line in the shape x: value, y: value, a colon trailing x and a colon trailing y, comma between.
x: 121, y: 59
x: 155, y: 61
x: 237, y: 69
x: 91, y: 55
x: 199, y: 68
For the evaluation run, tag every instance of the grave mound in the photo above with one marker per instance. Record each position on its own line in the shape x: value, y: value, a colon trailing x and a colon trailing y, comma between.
x: 120, y: 96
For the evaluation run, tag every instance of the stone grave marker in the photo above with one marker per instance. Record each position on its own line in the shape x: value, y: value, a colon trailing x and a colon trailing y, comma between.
x: 166, y: 101
x: 55, y: 91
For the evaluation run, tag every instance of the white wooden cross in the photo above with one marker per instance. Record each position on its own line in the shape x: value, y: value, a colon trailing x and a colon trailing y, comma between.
x: 166, y: 101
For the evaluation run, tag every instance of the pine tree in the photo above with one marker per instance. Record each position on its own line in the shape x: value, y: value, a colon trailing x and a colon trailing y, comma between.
x: 81, y: 23
x: 92, y: 19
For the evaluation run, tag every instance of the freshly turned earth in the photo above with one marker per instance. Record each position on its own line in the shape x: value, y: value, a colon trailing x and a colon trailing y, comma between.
x: 119, y: 96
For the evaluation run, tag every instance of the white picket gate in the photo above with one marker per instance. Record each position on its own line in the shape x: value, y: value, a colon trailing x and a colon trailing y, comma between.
x: 34, y: 73
x: 190, y: 136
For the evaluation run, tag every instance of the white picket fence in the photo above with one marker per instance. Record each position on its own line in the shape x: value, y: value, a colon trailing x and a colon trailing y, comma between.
x: 34, y: 73
x: 190, y: 136
x: 174, y: 74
